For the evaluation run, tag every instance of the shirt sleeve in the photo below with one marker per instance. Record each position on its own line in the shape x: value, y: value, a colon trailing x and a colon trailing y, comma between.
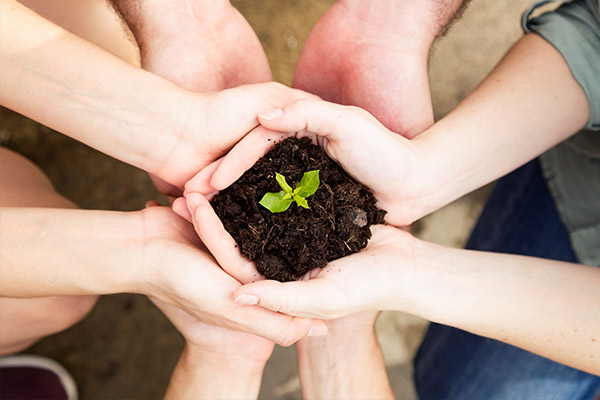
x: 574, y: 30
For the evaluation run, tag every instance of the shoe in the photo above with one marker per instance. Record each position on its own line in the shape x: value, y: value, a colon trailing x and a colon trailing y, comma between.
x: 31, y: 377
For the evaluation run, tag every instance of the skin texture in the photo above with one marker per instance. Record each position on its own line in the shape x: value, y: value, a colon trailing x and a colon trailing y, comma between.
x: 124, y: 116
x: 376, y: 56
x: 133, y: 115
x: 201, y: 46
x: 473, y: 145
x: 346, y: 364
x: 25, y: 321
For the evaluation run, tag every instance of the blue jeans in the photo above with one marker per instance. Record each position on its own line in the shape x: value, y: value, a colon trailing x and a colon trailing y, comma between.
x: 519, y: 218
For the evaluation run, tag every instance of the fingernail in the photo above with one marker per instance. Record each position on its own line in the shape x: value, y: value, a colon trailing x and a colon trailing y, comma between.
x: 246, y: 300
x: 271, y: 114
x: 193, y: 200
x: 318, y: 331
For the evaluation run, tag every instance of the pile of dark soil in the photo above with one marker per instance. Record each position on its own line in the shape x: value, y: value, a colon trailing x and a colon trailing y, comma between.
x: 286, y: 245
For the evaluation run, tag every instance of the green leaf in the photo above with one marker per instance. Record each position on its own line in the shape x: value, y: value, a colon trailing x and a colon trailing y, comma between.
x: 275, y: 202
x: 301, y: 201
x: 309, y: 184
x: 284, y: 185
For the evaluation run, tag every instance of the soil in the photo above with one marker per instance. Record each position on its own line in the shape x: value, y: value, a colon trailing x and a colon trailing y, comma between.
x: 286, y: 245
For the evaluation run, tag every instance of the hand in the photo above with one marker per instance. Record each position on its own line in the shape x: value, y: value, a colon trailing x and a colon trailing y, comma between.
x: 202, y: 127
x: 181, y: 275
x: 222, y: 342
x: 376, y: 56
x: 347, y: 364
x: 368, y: 280
x: 389, y: 164
x: 201, y: 46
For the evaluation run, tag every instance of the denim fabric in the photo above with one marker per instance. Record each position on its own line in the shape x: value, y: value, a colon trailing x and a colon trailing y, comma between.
x: 519, y: 218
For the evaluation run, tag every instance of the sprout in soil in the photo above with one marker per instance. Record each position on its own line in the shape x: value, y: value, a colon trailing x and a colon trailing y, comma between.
x: 281, y: 201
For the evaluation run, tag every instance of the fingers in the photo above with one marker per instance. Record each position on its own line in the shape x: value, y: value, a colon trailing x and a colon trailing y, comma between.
x: 312, y: 298
x: 165, y: 188
x: 220, y: 243
x: 282, y: 329
x: 319, y: 117
x: 180, y: 208
x: 244, y: 155
x: 200, y: 183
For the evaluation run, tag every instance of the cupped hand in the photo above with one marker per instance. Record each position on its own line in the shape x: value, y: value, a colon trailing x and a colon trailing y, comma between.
x: 200, y: 128
x: 389, y: 164
x: 202, y: 46
x: 376, y: 59
x: 180, y: 274
x: 372, y: 279
x: 215, y: 340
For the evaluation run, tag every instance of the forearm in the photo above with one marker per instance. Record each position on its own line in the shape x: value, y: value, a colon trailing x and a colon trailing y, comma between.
x: 82, y: 91
x: 201, y: 375
x: 420, y: 21
x: 343, y: 366
x: 164, y: 20
x: 548, y: 307
x: 47, y: 252
x: 528, y: 104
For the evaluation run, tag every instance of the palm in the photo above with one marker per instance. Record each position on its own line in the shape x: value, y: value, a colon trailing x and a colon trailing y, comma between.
x: 209, y: 55
x: 191, y: 280
x: 206, y: 55
x: 347, y: 60
x: 211, y: 338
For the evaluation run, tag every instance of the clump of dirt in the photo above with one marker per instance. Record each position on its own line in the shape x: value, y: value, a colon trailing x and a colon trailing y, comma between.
x: 286, y: 245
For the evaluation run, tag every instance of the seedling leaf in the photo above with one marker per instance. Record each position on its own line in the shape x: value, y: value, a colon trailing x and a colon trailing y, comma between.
x: 275, y: 202
x: 301, y: 201
x: 309, y: 184
x: 281, y: 180
x: 281, y: 201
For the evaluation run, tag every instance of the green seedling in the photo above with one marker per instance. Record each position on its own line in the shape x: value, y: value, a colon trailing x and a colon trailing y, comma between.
x: 281, y: 201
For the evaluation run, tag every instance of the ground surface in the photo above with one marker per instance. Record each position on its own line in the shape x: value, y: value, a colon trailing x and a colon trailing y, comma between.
x: 126, y: 348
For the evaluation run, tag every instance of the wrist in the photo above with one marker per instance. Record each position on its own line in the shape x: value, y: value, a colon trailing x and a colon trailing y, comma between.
x: 408, y: 23
x: 53, y: 252
x: 160, y: 22
x: 223, y: 360
x: 201, y: 375
x: 350, y: 367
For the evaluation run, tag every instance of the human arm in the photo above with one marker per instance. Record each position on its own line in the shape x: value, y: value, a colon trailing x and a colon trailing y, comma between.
x: 529, y: 103
x: 548, y: 307
x: 216, y: 363
x: 200, y: 45
x: 346, y: 364
x: 50, y: 252
x: 84, y: 92
x: 377, y: 55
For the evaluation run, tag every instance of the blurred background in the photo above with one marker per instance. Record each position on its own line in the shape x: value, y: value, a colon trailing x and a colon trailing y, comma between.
x: 125, y: 348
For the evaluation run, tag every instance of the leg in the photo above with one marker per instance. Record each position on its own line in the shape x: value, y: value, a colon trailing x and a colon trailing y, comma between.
x: 25, y: 321
x: 519, y: 218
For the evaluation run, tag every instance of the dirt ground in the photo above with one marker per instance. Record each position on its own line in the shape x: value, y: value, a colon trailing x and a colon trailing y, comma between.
x: 126, y: 348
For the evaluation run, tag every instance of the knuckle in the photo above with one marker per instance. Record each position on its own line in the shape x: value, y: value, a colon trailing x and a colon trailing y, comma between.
x: 359, y: 112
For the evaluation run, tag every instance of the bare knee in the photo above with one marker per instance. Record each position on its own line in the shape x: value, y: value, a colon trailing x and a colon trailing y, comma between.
x: 26, y: 321
x: 25, y: 185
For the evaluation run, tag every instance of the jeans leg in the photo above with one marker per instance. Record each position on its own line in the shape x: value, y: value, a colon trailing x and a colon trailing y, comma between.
x: 519, y: 218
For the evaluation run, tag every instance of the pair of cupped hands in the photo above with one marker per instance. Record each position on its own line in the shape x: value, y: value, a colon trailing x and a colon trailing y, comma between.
x: 214, y: 296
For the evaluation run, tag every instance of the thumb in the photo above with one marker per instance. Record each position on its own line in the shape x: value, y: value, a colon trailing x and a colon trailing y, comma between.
x: 218, y: 241
x: 318, y: 117
x: 309, y: 299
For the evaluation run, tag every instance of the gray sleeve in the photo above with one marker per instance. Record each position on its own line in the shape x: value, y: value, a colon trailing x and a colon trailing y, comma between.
x: 574, y: 30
